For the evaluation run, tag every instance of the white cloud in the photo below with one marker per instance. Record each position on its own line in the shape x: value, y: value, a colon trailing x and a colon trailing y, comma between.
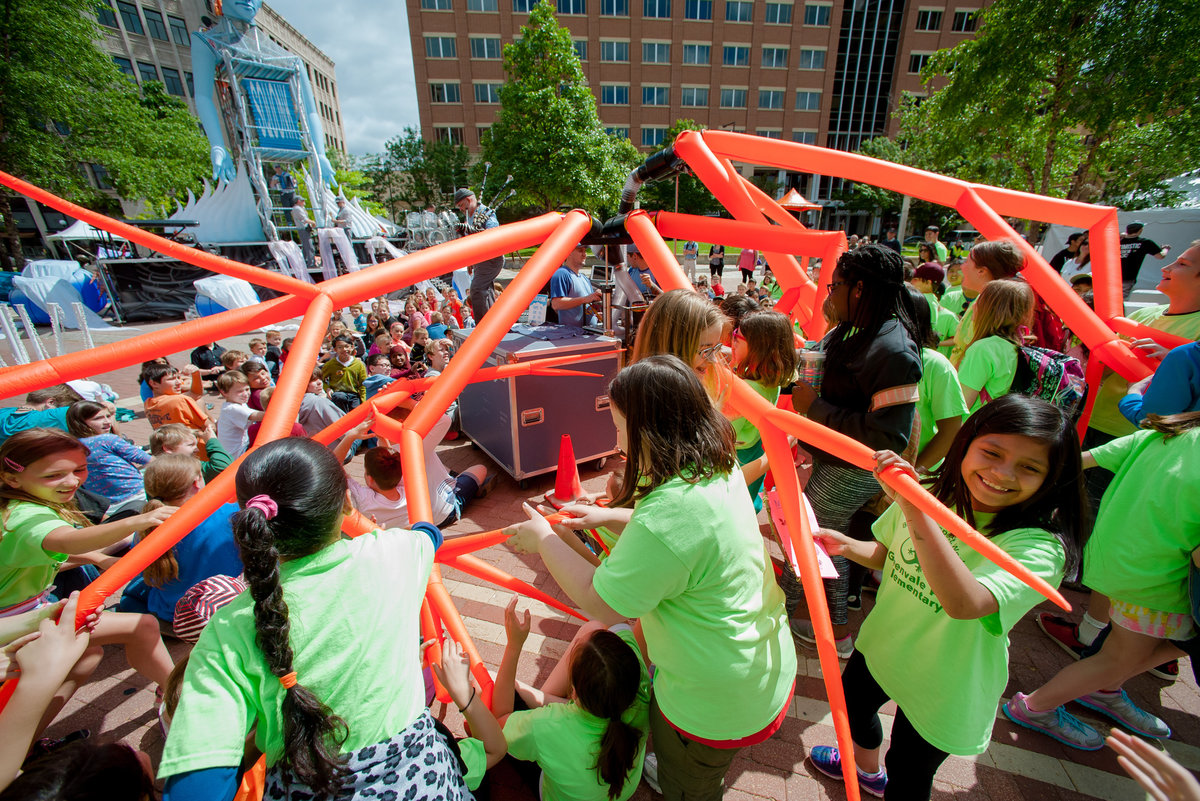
x: 368, y: 41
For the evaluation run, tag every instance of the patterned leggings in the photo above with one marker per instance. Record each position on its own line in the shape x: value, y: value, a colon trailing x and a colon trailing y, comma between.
x: 835, y: 493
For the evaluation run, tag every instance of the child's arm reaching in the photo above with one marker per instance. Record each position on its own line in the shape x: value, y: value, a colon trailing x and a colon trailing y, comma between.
x: 359, y: 432
x: 516, y: 630
x: 70, y: 540
x: 455, y: 675
x: 871, y: 554
x: 961, y: 594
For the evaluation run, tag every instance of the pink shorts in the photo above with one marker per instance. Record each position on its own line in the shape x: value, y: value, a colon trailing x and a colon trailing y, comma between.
x: 1151, y: 622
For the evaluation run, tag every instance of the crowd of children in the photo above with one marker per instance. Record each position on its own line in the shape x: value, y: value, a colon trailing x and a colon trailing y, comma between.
x: 317, y: 665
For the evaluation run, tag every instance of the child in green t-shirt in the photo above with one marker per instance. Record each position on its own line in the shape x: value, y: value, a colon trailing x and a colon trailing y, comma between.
x: 586, y: 727
x: 1144, y: 576
x: 764, y: 354
x: 988, y: 368
x: 937, y: 640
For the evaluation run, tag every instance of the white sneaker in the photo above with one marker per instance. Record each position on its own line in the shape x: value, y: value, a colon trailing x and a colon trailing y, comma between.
x: 650, y: 772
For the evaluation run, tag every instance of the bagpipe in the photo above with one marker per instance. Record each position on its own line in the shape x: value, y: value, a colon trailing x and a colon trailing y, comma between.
x: 478, y: 220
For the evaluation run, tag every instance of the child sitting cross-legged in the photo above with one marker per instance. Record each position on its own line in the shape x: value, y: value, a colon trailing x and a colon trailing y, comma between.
x: 236, y: 416
x: 114, y: 466
x: 168, y: 405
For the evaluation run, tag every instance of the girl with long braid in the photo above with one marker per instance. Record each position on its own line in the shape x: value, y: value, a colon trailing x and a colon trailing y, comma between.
x: 321, y: 657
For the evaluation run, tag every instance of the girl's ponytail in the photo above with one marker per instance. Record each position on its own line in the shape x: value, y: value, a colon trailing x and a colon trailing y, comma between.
x: 606, y: 677
x: 311, y: 733
x: 292, y: 493
x: 168, y: 477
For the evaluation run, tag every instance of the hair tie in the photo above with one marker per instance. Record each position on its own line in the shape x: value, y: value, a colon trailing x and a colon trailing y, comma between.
x: 264, y: 504
x: 13, y: 466
x: 288, y: 680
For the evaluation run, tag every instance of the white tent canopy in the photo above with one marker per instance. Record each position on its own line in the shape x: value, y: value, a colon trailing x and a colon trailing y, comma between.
x: 80, y: 231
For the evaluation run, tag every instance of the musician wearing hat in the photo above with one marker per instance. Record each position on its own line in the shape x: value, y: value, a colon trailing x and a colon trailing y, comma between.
x: 479, y: 218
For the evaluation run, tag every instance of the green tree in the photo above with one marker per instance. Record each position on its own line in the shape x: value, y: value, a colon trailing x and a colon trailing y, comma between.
x: 1085, y: 99
x: 548, y: 134
x: 63, y: 103
x: 413, y: 173
x: 694, y: 197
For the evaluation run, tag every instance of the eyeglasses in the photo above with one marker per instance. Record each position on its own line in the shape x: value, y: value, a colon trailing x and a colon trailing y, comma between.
x: 711, y: 354
x: 736, y: 334
x: 832, y: 284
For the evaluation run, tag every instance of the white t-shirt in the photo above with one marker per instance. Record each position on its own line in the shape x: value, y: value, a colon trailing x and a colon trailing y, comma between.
x: 389, y: 513
x: 231, y: 428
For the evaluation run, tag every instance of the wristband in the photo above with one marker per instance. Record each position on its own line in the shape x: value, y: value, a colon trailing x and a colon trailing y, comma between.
x: 464, y: 707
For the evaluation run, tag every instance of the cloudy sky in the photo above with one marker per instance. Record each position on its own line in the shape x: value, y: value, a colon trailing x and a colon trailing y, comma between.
x: 368, y: 41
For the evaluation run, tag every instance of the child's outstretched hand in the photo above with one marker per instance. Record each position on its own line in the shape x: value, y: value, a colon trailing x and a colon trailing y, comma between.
x: 526, y: 536
x: 47, y: 655
x: 835, y: 542
x: 516, y: 628
x: 363, y: 429
x: 155, y: 517
x: 1162, y: 777
x: 888, y: 459
x: 454, y: 673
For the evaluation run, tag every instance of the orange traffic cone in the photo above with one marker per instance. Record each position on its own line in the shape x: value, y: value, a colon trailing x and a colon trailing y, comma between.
x: 567, y: 487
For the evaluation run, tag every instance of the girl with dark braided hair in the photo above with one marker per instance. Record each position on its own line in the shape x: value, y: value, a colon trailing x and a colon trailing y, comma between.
x: 321, y: 656
x: 869, y: 393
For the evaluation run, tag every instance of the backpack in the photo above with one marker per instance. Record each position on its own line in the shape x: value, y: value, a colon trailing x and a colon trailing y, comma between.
x: 1051, y: 376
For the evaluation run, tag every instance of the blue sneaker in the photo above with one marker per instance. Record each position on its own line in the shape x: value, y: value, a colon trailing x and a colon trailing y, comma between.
x: 1123, y: 710
x: 828, y: 760
x: 1056, y: 723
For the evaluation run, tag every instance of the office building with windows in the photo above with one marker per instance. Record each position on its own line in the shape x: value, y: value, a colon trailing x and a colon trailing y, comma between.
x: 826, y: 72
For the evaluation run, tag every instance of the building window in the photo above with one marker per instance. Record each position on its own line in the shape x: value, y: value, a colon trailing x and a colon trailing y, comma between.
x: 129, y: 17
x: 659, y: 9
x: 736, y: 56
x: 620, y: 132
x: 917, y: 62
x: 487, y: 93
x: 179, y: 31
x: 656, y: 96
x: 124, y: 65
x: 483, y: 5
x: 775, y: 57
x: 444, y: 93
x: 485, y: 47
x: 697, y: 54
x: 929, y: 19
x: 147, y: 72
x: 440, y: 47
x: 805, y: 137
x: 614, y: 94
x: 694, y: 97
x: 770, y: 99
x: 614, y: 8
x: 191, y: 83
x: 653, y: 136
x: 812, y: 59
x: 448, y: 133
x: 778, y: 14
x: 102, y: 179
x: 696, y: 9
x: 172, y: 82
x: 808, y: 100
x: 611, y: 50
x: 154, y: 22
x: 964, y: 21
x: 523, y: 6
x: 733, y: 98
x: 817, y: 14
x: 576, y: 7
x: 656, y: 53
x: 581, y: 49
x: 739, y: 11
x: 436, y: 5
x: 105, y: 14
x: 769, y: 133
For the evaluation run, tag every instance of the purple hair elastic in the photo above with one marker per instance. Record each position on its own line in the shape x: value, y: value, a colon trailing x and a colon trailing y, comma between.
x: 264, y: 504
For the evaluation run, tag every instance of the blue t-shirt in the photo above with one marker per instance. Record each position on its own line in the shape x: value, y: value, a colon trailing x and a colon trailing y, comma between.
x: 437, y: 331
x: 1175, y: 387
x: 13, y: 421
x: 566, y: 283
x: 209, y: 550
x: 114, y: 467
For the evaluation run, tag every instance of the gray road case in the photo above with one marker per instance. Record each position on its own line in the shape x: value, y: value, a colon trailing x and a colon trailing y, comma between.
x: 519, y: 422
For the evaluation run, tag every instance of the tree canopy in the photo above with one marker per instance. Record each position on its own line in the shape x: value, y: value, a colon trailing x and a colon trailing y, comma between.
x: 547, y: 133
x: 1086, y: 99
x: 413, y: 173
x: 64, y: 103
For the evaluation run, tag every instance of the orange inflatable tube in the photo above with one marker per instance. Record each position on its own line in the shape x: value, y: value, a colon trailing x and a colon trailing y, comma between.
x: 805, y: 564
x: 475, y: 566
